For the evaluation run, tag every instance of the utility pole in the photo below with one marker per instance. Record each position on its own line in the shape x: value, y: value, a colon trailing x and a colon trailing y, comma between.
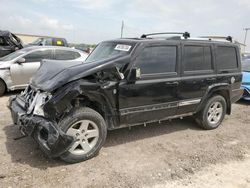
x: 122, y: 28
x: 246, y: 29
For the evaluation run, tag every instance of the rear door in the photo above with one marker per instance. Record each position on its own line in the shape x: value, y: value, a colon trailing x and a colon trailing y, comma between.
x: 154, y: 96
x: 21, y: 73
x: 197, y: 74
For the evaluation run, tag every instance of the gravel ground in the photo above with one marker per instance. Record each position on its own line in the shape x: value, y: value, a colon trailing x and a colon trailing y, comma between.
x: 170, y: 154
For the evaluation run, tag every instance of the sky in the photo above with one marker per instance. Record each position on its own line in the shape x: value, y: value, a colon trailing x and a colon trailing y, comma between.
x: 92, y: 21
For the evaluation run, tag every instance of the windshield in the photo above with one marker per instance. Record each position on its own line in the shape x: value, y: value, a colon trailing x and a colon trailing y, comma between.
x: 107, y: 50
x: 246, y: 65
x: 14, y: 55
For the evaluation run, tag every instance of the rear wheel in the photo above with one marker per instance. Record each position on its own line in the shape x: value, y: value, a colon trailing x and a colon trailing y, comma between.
x: 2, y: 87
x: 213, y: 113
x: 89, y: 131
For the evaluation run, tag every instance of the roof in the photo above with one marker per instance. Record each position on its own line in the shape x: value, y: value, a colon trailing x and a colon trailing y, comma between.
x: 171, y: 39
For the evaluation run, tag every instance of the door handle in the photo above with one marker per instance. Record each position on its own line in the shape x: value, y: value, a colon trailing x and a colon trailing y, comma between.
x: 172, y: 83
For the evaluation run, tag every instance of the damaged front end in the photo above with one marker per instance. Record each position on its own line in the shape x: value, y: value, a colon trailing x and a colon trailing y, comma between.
x: 27, y: 112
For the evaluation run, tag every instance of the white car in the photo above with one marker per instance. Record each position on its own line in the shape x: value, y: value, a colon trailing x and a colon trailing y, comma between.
x: 17, y: 68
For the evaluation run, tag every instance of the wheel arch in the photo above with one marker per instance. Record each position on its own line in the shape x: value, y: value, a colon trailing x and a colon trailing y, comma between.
x: 6, y: 87
x: 223, y: 90
x: 99, y: 103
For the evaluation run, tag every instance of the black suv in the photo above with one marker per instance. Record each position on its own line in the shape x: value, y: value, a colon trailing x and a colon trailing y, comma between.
x: 69, y: 108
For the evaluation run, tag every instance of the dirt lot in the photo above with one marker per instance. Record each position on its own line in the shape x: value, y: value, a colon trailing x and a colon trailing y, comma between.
x: 170, y: 154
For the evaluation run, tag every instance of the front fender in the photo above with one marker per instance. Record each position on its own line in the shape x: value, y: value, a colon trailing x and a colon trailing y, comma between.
x: 85, y: 91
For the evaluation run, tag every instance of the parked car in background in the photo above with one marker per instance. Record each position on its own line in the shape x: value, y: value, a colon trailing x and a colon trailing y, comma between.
x: 246, y: 79
x: 17, y: 68
x: 127, y: 82
x: 245, y: 55
x: 49, y: 41
x: 9, y: 43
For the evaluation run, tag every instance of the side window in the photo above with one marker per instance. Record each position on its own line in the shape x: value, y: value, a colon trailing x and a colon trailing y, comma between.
x: 66, y: 55
x: 38, y: 56
x: 226, y: 58
x: 197, y: 58
x: 48, y: 42
x: 157, y: 60
x: 58, y: 42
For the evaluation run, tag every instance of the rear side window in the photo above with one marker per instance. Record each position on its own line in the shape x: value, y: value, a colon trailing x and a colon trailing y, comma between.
x: 66, y: 55
x: 38, y: 56
x: 226, y: 58
x: 157, y: 60
x: 197, y: 58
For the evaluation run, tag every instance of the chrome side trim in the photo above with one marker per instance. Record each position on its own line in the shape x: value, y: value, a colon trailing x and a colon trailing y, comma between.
x: 189, y: 102
x: 160, y: 106
x: 147, y: 108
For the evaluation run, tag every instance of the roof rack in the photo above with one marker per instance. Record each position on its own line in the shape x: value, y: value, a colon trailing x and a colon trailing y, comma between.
x: 185, y: 34
x: 228, y: 38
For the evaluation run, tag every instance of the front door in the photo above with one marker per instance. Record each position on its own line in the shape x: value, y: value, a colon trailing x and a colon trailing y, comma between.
x: 154, y: 96
x: 22, y: 73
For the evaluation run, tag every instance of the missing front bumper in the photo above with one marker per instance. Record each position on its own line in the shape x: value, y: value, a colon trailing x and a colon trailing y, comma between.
x: 51, y: 139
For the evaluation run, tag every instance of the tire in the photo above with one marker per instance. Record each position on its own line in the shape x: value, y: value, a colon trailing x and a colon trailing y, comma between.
x: 2, y: 87
x: 89, y: 130
x: 213, y: 113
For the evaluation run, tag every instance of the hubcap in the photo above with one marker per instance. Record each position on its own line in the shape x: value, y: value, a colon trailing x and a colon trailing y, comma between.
x: 86, y: 134
x: 215, y: 113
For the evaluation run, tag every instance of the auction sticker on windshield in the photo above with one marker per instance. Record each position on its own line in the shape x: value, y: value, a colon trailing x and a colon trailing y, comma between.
x: 122, y: 47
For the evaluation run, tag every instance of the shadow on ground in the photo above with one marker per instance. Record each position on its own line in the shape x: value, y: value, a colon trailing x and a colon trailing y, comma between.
x: 26, y: 151
x: 243, y: 102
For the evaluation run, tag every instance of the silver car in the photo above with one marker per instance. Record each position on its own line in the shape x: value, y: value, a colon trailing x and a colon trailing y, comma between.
x: 17, y: 68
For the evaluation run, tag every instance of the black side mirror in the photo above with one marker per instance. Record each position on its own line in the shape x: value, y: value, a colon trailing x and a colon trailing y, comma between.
x: 135, y: 74
x: 21, y: 60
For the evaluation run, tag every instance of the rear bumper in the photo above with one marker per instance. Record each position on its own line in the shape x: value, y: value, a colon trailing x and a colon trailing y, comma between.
x: 51, y: 139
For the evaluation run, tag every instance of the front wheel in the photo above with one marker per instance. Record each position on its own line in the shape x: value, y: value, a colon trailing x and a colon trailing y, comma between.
x: 213, y: 113
x: 88, y: 128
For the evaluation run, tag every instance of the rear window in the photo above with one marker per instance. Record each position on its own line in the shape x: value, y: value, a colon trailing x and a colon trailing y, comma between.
x: 197, y: 58
x: 226, y: 58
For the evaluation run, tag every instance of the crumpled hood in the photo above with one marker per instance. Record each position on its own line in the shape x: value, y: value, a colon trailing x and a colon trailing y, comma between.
x: 53, y: 74
x: 246, y: 77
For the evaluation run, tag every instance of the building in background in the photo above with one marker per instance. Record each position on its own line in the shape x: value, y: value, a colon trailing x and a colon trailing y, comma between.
x: 27, y: 38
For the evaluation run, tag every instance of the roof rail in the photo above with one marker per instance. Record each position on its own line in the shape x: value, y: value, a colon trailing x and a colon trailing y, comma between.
x: 185, y: 34
x: 228, y: 38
